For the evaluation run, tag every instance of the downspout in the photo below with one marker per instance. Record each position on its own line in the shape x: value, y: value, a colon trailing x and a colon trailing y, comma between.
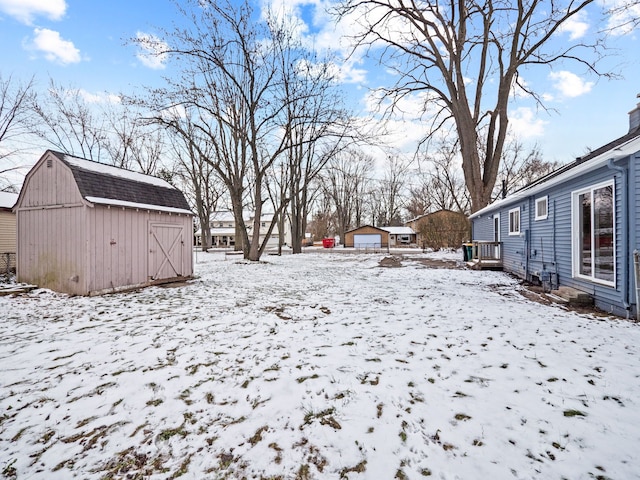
x: 625, y: 233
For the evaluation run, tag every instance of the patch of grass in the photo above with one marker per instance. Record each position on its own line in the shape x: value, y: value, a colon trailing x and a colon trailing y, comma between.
x: 47, y: 436
x: 303, y: 473
x: 17, y: 436
x: 182, y: 469
x: 9, y: 471
x: 425, y: 472
x: 278, y: 459
x: 431, y: 380
x: 552, y: 379
x: 460, y: 394
x: 184, y: 396
x: 303, y: 379
x: 400, y: 475
x: 172, y: 432
x: 257, y: 437
x: 379, y: 409
x: 462, y: 416
x: 477, y: 442
x: 403, y: 436
x: 310, y: 416
x: 372, y: 359
x: 359, y: 468
x: 574, y: 413
x: 154, y: 403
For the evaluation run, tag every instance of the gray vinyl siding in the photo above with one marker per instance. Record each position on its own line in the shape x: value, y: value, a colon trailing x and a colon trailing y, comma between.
x: 482, y: 229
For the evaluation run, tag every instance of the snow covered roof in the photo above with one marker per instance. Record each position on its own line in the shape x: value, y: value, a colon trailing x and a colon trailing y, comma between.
x: 399, y: 230
x: 8, y: 200
x: 620, y: 148
x: 106, y: 184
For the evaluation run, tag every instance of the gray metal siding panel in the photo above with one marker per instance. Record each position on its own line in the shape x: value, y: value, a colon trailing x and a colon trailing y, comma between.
x: 482, y: 228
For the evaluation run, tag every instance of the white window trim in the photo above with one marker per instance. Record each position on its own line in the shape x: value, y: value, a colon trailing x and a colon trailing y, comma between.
x: 514, y: 232
x: 575, y: 235
x: 546, y: 200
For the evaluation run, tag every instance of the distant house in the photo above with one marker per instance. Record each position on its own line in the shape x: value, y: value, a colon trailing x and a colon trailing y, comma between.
x: 400, y: 236
x: 7, y: 232
x: 86, y: 228
x: 370, y: 237
x: 575, y: 228
x: 223, y: 229
x: 441, y: 229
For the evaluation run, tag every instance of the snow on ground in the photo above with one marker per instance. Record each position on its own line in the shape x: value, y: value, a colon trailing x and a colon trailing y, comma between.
x: 316, y: 366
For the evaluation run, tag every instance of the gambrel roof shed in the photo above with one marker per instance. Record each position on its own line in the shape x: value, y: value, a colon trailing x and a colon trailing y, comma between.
x: 87, y: 228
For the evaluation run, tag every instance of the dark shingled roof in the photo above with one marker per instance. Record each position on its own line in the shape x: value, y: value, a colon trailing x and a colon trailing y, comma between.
x: 103, y: 185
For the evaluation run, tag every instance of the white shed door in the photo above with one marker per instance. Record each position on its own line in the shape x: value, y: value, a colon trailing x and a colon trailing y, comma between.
x: 368, y: 240
x: 166, y: 247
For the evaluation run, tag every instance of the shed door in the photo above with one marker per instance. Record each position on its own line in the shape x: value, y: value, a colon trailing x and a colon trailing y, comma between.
x: 367, y: 240
x: 166, y: 248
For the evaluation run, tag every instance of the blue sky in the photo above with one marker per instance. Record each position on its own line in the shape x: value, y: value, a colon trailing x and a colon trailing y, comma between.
x: 83, y: 44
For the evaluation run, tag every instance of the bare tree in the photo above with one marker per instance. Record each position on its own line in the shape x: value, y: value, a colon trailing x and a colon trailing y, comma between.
x: 464, y: 58
x: 440, y: 185
x: 15, y: 102
x: 520, y: 167
x: 232, y: 79
x: 68, y: 123
x: 388, y: 196
x: 201, y: 183
x: 345, y: 182
x: 132, y: 142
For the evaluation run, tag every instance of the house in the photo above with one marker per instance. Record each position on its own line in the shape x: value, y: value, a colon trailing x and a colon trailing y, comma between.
x: 86, y: 228
x: 576, y: 228
x: 7, y: 232
x: 401, y: 236
x: 370, y: 237
x: 223, y: 229
x: 441, y: 229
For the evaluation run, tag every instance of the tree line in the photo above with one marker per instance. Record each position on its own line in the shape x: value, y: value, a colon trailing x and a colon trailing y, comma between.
x: 255, y: 119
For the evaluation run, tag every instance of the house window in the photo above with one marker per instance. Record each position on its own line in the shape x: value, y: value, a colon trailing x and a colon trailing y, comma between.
x: 514, y: 221
x: 542, y: 208
x: 593, y: 248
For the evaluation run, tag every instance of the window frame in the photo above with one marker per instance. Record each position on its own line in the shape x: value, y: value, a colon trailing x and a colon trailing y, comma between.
x: 512, y: 212
x: 576, y: 234
x: 539, y: 200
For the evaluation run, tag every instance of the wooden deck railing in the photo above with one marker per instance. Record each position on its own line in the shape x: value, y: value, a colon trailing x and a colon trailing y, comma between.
x: 487, y: 254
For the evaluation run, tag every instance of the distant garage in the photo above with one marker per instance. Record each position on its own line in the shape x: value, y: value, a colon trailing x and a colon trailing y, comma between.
x: 366, y: 236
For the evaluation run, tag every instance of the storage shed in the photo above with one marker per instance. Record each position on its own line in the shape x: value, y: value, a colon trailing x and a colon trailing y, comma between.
x: 7, y: 232
x: 86, y: 228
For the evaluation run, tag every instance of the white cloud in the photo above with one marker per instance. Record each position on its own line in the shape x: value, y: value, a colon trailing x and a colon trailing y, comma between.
x: 569, y: 84
x: 152, y: 53
x: 523, y: 123
x: 99, y: 97
x: 25, y: 10
x: 576, y: 26
x: 54, y: 47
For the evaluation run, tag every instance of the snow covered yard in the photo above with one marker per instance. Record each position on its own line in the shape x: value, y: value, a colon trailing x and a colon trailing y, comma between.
x: 316, y: 366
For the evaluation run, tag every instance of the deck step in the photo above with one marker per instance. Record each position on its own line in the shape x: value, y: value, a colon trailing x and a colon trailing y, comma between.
x: 573, y: 296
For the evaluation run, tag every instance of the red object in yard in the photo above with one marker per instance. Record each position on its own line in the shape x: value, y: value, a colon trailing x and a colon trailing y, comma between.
x: 328, y: 242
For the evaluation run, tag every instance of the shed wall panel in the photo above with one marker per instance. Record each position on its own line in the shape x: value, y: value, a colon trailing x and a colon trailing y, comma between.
x: 50, y: 249
x: 47, y: 186
x: 119, y: 246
